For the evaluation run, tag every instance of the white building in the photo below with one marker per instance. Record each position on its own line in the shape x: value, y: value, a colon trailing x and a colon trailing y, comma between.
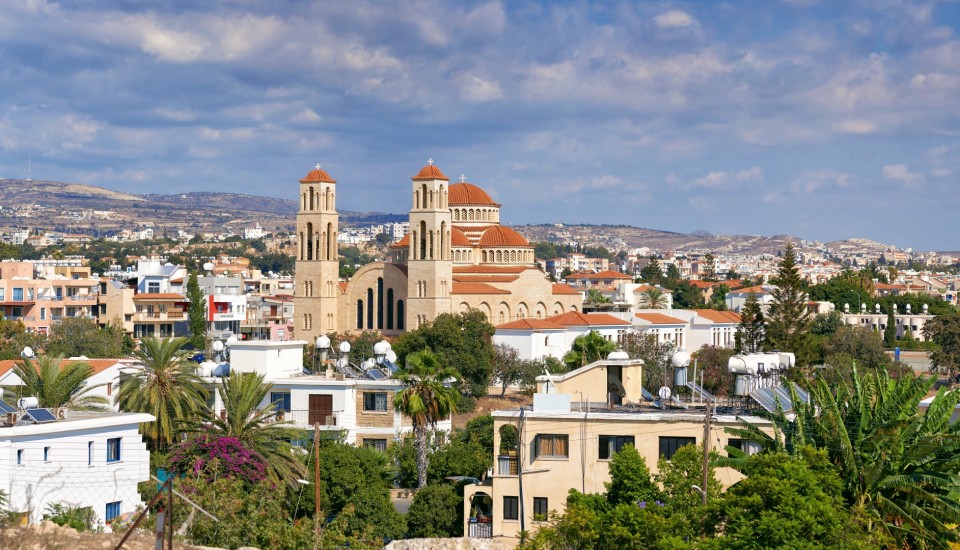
x: 553, y: 336
x: 84, y: 460
x: 255, y: 232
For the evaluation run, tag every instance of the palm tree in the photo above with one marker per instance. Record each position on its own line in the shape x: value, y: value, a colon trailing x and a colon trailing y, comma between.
x: 653, y: 298
x: 57, y: 385
x: 426, y: 399
x: 588, y: 348
x: 165, y: 386
x: 255, y: 427
x: 898, y: 462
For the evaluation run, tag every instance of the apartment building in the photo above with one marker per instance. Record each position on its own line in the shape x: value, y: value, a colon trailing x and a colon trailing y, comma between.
x: 40, y: 301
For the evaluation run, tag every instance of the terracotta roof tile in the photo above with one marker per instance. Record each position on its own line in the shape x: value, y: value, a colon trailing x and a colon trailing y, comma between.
x: 500, y: 235
x: 485, y: 278
x: 560, y: 288
x: 467, y: 194
x: 430, y: 172
x: 476, y: 288
x: 342, y: 285
x: 608, y: 274
x: 718, y: 316
x: 530, y: 324
x: 575, y: 318
x: 643, y: 288
x: 659, y: 319
x: 457, y: 238
x: 403, y: 242
x: 317, y: 176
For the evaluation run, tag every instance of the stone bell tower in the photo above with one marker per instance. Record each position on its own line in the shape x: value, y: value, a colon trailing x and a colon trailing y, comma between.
x: 318, y: 266
x: 429, y: 261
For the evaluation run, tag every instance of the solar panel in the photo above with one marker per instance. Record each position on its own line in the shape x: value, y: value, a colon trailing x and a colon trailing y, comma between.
x: 40, y: 416
x: 704, y: 393
x: 647, y: 395
x: 391, y: 365
x: 6, y: 409
x: 375, y: 374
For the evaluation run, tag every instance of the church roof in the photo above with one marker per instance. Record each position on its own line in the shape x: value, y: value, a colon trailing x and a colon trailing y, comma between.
x: 317, y: 176
x: 403, y: 242
x: 491, y: 268
x: 530, y: 324
x: 500, y: 235
x: 485, y: 278
x: 477, y: 288
x: 560, y: 288
x: 467, y: 194
x: 457, y: 238
x: 575, y: 318
x: 430, y: 172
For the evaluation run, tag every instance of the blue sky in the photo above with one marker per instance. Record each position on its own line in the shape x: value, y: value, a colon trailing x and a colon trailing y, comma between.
x: 824, y: 120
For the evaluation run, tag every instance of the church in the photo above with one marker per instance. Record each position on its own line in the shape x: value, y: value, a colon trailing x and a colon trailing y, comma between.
x: 456, y: 257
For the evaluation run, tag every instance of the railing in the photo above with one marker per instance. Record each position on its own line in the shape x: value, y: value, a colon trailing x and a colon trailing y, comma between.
x: 302, y: 418
x: 82, y: 298
x: 480, y: 529
x: 507, y: 465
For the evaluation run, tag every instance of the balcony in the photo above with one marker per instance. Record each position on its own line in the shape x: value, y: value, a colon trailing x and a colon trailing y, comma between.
x: 158, y: 315
x: 301, y: 418
x: 82, y: 298
x: 507, y: 465
x: 480, y: 529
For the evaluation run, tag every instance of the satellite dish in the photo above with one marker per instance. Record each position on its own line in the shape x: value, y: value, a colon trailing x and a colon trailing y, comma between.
x: 207, y: 266
x: 680, y: 359
x: 27, y: 352
x: 217, y: 345
x: 391, y: 356
x: 344, y: 347
x: 323, y: 341
x: 664, y: 393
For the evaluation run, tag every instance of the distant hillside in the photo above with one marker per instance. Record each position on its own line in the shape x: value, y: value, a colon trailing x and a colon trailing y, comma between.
x: 227, y: 201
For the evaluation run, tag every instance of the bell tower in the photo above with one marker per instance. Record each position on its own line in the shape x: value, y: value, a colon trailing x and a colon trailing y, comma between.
x: 318, y: 266
x: 429, y: 260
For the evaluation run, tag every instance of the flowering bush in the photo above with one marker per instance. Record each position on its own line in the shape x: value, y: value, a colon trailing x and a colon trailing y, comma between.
x: 216, y: 457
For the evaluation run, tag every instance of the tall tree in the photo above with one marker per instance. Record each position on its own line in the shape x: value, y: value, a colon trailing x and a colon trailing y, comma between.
x: 254, y: 427
x: 752, y: 333
x: 653, y: 298
x: 944, y: 330
x: 788, y: 320
x: 164, y: 385
x: 630, y: 480
x: 890, y: 331
x: 426, y: 399
x: 76, y: 336
x: 196, y: 313
x: 709, y: 267
x: 652, y: 272
x: 57, y: 385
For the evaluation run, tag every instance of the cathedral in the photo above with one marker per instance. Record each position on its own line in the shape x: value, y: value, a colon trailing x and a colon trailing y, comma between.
x: 456, y: 257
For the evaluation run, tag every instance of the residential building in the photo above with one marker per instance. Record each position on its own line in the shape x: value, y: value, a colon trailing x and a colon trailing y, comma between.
x: 84, y: 460
x: 226, y: 305
x: 39, y: 302
x: 569, y: 437
x: 554, y: 336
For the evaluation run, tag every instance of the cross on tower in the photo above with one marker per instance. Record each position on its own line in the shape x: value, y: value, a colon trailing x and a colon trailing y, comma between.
x: 463, y: 179
x: 430, y: 162
x: 317, y: 166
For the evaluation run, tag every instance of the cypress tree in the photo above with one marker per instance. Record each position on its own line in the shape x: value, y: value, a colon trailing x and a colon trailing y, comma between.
x: 752, y: 330
x: 197, y: 314
x: 890, y: 332
x: 788, y: 320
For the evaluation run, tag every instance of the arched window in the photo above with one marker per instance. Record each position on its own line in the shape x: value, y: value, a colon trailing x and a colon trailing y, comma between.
x: 331, y: 239
x: 389, y: 309
x: 312, y: 193
x: 370, y: 308
x: 400, y: 313
x: 360, y: 314
x: 423, y: 240
x: 380, y: 303
x: 309, y: 241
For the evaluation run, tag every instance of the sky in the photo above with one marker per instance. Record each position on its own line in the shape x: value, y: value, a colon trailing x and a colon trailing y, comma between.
x: 823, y: 120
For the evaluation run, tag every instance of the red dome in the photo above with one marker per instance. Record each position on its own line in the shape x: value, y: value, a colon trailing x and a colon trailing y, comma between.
x: 467, y: 194
x: 318, y: 176
x: 457, y: 238
x: 499, y: 235
x: 430, y: 172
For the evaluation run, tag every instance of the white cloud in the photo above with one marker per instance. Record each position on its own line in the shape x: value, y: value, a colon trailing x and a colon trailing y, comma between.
x: 820, y: 179
x: 478, y: 90
x: 675, y: 19
x: 855, y: 127
x: 901, y: 173
x: 718, y: 179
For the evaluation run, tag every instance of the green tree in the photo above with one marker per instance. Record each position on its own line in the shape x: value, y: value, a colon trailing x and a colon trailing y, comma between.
x: 860, y: 343
x: 510, y: 370
x: 655, y: 354
x: 685, y: 295
x: 588, y: 348
x: 718, y: 299
x: 630, y: 480
x: 79, y: 337
x: 436, y: 512
x: 944, y: 330
x: 254, y: 427
x: 653, y: 298
x: 463, y: 341
x: 826, y: 324
x: 677, y: 477
x: 164, y: 385
x: 713, y: 361
x: 595, y: 298
x: 709, y: 267
x: 426, y: 400
x: 652, y: 273
x: 14, y: 337
x: 752, y: 332
x: 890, y: 331
x: 57, y: 385
x: 196, y: 314
x: 788, y: 320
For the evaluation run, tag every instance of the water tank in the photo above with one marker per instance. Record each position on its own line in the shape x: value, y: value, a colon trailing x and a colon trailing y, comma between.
x: 680, y: 376
x: 223, y: 369
x: 742, y: 386
x: 743, y: 364
x: 618, y: 355
x: 787, y: 360
x: 28, y: 403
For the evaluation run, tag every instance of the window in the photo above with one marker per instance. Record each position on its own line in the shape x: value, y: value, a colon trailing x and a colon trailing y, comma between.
x: 281, y: 400
x: 113, y: 510
x: 19, y: 457
x: 113, y: 449
x: 375, y: 401
x: 610, y: 444
x: 109, y: 388
x: 511, y: 508
x: 540, y: 508
x: 46, y: 454
x: 552, y: 446
x: 43, y: 314
x: 376, y: 444
x: 153, y: 288
x: 744, y: 445
x: 90, y: 453
x: 669, y: 445
x: 18, y: 295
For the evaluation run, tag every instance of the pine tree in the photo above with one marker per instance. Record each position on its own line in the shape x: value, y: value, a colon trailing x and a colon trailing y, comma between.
x: 751, y: 333
x: 197, y: 314
x: 890, y: 331
x: 652, y: 272
x: 788, y: 320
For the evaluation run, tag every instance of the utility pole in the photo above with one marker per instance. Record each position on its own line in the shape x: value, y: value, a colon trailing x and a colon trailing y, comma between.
x: 316, y: 479
x: 706, y: 450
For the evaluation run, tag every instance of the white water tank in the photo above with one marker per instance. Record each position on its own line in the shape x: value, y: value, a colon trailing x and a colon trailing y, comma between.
x: 25, y: 403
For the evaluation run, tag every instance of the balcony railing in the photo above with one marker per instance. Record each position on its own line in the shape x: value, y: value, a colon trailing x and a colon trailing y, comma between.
x: 302, y: 418
x: 480, y: 529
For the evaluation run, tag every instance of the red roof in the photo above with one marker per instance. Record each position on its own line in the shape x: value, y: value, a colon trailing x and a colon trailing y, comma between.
x: 718, y: 316
x: 403, y: 242
x: 643, y: 288
x: 499, y: 235
x: 467, y: 194
x: 754, y: 290
x: 457, y: 238
x: 659, y: 319
x: 560, y: 288
x: 608, y: 274
x: 476, y: 288
x: 530, y: 324
x: 575, y: 318
x: 318, y: 176
x: 430, y: 172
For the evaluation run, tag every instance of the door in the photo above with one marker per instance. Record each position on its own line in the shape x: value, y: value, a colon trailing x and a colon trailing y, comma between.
x: 321, y: 406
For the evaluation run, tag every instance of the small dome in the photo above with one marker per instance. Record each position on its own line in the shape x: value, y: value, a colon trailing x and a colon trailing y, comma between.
x: 499, y: 235
x: 467, y: 194
x: 430, y: 172
x: 318, y: 176
x: 457, y: 238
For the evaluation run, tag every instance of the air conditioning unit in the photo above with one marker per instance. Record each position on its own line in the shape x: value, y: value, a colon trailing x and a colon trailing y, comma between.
x: 13, y: 418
